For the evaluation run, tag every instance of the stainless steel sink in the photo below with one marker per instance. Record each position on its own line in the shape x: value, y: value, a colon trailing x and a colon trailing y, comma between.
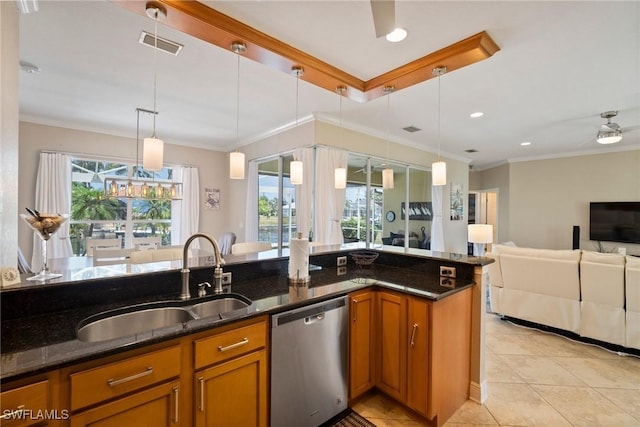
x: 139, y: 319
x: 131, y: 323
x: 220, y: 306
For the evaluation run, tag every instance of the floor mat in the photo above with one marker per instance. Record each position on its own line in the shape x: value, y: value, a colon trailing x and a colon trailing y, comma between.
x: 349, y: 418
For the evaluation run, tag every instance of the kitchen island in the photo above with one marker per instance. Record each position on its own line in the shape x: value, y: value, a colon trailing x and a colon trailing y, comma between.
x: 39, y: 343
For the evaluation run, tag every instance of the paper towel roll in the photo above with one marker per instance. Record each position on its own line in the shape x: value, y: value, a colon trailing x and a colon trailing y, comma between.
x: 298, y: 258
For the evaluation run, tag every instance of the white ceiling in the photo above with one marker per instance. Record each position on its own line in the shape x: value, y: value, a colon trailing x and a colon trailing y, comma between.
x: 560, y: 65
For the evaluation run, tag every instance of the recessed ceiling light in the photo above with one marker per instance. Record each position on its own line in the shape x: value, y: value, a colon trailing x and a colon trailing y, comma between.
x: 397, y: 35
x: 526, y: 143
x: 476, y: 114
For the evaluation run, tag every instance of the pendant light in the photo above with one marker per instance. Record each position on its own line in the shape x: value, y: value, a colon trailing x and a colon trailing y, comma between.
x: 340, y: 173
x: 439, y: 168
x: 387, y: 173
x: 153, y: 151
x: 295, y: 167
x: 236, y: 158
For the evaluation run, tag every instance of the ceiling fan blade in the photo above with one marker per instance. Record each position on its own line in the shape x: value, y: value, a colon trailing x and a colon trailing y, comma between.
x: 384, y: 16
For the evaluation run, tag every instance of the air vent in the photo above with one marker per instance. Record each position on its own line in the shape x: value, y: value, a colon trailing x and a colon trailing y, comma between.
x: 471, y: 150
x: 411, y: 129
x: 163, y: 44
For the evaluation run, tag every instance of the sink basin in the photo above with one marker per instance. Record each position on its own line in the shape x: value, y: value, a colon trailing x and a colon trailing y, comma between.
x: 129, y: 323
x: 220, y: 306
x: 138, y: 319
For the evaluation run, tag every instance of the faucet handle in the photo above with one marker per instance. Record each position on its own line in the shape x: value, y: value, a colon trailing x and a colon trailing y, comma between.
x: 201, y: 288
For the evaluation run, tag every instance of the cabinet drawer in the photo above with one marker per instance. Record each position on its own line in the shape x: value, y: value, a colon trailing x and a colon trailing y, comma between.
x: 98, y: 384
x: 230, y: 344
x: 21, y: 405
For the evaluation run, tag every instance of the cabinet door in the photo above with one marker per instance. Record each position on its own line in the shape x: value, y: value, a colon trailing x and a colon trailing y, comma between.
x: 361, y: 326
x: 392, y: 346
x: 233, y: 393
x: 21, y: 406
x: 418, y: 354
x: 155, y: 407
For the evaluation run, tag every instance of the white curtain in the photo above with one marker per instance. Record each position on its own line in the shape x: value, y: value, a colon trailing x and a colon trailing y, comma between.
x: 437, y: 227
x: 330, y: 204
x: 185, y: 214
x: 53, y: 195
x: 251, y: 212
x: 304, y: 192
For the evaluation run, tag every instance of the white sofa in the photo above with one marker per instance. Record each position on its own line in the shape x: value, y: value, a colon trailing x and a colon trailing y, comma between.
x: 592, y: 294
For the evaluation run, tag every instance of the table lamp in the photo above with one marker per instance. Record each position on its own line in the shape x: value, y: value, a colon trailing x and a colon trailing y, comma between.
x: 480, y: 235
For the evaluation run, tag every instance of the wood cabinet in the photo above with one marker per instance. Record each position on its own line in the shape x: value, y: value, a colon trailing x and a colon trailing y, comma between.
x: 25, y: 406
x: 361, y: 345
x: 418, y: 355
x: 232, y: 391
x: 392, y: 345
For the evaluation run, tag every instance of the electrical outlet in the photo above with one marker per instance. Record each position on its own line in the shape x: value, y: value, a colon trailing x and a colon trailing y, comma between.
x: 447, y: 282
x: 226, y: 278
x: 447, y: 271
x: 342, y: 260
x: 342, y: 271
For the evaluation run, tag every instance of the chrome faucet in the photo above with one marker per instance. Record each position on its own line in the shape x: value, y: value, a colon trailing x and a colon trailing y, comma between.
x: 217, y: 271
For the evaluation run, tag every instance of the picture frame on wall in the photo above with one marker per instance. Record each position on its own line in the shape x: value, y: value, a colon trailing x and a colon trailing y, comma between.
x: 211, y: 199
x: 418, y: 211
x: 456, y: 202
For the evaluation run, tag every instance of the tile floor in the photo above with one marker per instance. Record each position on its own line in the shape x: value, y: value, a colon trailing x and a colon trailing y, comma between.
x: 537, y: 379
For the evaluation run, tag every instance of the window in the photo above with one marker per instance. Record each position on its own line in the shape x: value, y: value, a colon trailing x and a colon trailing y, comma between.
x: 276, y: 202
x: 98, y: 217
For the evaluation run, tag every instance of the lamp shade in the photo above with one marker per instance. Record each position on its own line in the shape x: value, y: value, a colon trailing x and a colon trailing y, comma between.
x: 387, y: 179
x: 609, y: 134
x: 340, y: 175
x: 480, y: 233
x: 152, y: 154
x: 439, y: 173
x: 236, y: 165
x: 296, y: 172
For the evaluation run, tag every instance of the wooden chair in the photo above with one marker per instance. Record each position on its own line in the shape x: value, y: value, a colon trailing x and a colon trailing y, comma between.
x: 250, y: 247
x: 173, y: 253
x: 91, y: 243
x: 110, y: 256
x: 142, y: 243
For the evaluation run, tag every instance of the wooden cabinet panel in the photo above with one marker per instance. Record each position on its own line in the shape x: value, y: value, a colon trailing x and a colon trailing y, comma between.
x: 418, y: 354
x: 361, y: 327
x: 155, y: 407
x: 115, y: 379
x: 392, y: 345
x: 21, y: 406
x: 233, y: 343
x: 233, y: 393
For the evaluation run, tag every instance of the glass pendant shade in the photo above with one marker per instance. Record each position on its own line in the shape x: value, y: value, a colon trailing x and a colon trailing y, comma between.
x: 159, y: 191
x: 439, y: 173
x: 340, y: 175
x: 113, y: 188
x: 296, y: 172
x: 609, y: 134
x: 387, y: 179
x: 130, y: 189
x: 144, y: 191
x: 173, y: 191
x: 236, y: 165
x: 152, y: 153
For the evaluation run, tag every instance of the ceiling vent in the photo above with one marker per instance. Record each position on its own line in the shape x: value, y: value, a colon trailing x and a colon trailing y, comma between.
x: 411, y: 129
x: 471, y: 150
x: 163, y: 44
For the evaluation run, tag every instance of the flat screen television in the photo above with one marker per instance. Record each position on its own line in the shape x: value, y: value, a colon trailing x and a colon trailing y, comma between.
x: 614, y: 221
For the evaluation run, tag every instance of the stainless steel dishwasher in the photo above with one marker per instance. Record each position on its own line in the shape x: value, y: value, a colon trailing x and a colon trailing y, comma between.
x: 309, y: 364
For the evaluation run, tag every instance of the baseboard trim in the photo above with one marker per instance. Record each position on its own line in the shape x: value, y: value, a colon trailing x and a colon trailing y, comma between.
x: 478, y: 392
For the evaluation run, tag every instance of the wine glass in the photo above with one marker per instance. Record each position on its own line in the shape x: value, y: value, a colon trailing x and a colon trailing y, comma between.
x: 45, y: 226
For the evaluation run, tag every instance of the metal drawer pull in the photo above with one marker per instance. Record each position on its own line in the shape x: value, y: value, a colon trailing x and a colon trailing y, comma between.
x: 113, y: 383
x: 232, y: 346
x: 13, y: 414
x: 355, y: 311
x: 413, y: 334
x: 175, y: 394
x: 201, y: 381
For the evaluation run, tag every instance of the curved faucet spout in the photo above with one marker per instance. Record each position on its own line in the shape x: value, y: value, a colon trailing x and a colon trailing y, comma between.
x: 217, y: 272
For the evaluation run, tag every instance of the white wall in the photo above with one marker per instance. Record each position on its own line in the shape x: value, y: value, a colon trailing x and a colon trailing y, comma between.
x: 546, y: 198
x: 213, y: 168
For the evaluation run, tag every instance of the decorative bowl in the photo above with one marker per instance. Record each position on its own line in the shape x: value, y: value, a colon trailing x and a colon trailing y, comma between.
x: 364, y: 258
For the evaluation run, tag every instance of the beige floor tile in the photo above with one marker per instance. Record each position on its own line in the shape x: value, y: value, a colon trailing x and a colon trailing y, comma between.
x: 381, y: 422
x: 514, y: 344
x: 628, y: 400
x: 605, y: 373
x: 381, y: 407
x: 540, y: 370
x: 520, y: 405
x: 583, y: 406
x: 497, y: 370
x: 494, y: 325
x: 472, y: 413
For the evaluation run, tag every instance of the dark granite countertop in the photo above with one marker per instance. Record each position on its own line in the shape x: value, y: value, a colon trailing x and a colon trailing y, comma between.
x: 39, y: 343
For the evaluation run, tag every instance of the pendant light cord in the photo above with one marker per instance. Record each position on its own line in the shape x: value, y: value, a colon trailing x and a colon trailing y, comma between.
x: 155, y: 68
x: 388, y: 124
x: 137, y: 141
x: 238, y: 102
x: 439, y: 108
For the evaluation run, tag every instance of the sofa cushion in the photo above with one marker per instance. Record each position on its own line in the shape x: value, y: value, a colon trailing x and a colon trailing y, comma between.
x: 553, y: 254
x: 541, y: 275
x: 632, y: 282
x: 603, y: 258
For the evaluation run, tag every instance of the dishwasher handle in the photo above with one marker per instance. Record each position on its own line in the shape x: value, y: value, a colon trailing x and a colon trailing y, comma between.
x: 309, y: 314
x: 313, y: 319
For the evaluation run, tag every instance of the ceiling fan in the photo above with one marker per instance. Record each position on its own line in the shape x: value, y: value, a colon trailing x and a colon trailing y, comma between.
x: 610, y: 133
x: 384, y: 19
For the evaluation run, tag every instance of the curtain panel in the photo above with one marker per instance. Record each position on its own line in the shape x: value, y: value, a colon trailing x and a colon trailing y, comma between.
x: 330, y: 208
